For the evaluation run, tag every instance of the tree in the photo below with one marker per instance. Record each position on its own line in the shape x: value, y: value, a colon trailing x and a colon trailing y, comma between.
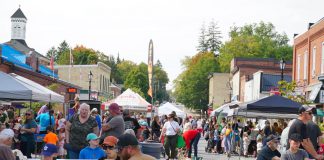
x: 254, y: 40
x: 213, y: 37
x: 288, y: 90
x: 202, y: 41
x: 123, y: 69
x: 52, y: 52
x: 137, y: 79
x: 63, y: 48
x: 192, y: 84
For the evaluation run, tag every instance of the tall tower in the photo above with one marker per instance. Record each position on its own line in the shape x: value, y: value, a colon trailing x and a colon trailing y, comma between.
x: 18, y: 25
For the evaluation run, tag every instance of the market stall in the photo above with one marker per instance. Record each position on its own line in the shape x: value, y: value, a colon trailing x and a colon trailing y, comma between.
x: 167, y: 108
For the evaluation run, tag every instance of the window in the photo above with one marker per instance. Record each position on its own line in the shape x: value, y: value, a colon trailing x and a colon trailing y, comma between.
x: 322, y: 63
x: 298, y: 68
x: 305, y: 65
x: 314, y: 62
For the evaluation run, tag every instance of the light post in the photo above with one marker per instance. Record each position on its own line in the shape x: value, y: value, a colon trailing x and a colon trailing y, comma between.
x: 282, y: 67
x: 90, y: 78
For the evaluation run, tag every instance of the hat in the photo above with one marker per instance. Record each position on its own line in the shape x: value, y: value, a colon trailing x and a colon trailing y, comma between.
x: 304, y: 108
x: 296, y: 137
x: 272, y: 137
x: 92, y: 136
x: 49, y: 149
x: 114, y: 107
x: 110, y: 140
x: 127, y: 140
x: 94, y: 110
x: 7, y: 133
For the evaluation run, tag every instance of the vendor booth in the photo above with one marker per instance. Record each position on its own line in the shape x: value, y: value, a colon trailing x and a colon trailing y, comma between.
x: 167, y: 108
x: 129, y: 100
x: 17, y: 88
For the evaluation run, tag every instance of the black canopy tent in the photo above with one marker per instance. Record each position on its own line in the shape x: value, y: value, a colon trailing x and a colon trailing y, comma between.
x: 275, y: 104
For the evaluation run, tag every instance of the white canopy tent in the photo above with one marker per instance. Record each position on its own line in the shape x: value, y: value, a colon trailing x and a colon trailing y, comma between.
x: 224, y: 109
x: 17, y: 88
x: 167, y: 108
x: 130, y: 100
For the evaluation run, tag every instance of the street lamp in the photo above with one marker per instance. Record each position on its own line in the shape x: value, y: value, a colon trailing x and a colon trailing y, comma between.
x: 282, y: 67
x: 90, y: 78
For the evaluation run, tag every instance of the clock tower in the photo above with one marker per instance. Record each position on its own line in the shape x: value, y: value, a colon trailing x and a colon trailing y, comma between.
x: 18, y: 25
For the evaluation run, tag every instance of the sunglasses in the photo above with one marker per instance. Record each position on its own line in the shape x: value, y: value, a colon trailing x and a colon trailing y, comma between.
x: 310, y: 113
x: 105, y: 147
x: 27, y: 114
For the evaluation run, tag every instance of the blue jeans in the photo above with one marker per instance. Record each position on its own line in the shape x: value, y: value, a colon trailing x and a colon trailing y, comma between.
x: 194, y: 142
x: 73, y: 154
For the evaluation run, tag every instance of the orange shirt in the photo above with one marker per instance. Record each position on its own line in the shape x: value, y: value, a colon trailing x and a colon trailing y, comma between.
x: 51, y: 138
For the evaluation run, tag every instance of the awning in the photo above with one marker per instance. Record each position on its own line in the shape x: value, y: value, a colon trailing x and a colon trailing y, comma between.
x: 314, y: 91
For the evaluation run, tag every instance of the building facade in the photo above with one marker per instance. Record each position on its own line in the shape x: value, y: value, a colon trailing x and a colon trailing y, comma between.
x: 79, y: 75
x: 219, y: 89
x: 308, y: 60
x: 242, y: 70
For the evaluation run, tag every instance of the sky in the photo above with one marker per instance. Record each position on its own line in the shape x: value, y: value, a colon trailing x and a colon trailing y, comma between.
x: 126, y: 26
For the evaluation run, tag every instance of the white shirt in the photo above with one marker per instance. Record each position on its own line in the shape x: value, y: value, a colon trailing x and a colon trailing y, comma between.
x: 171, y: 128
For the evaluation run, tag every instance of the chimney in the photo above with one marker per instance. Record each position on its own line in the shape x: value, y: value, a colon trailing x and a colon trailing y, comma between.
x: 295, y: 34
x: 310, y: 25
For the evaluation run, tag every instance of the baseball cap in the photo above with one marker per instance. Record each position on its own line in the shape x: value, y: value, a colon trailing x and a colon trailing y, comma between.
x: 94, y: 110
x: 304, y: 108
x: 295, y: 137
x: 7, y: 133
x: 110, y: 140
x: 127, y: 140
x: 49, y: 149
x: 272, y: 137
x: 114, y: 107
x: 92, y: 136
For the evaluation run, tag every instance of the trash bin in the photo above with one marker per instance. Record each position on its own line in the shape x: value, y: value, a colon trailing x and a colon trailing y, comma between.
x: 152, y: 149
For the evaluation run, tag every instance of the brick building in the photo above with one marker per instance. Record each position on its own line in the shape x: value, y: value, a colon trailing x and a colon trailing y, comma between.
x: 308, y: 60
x: 219, y: 89
x: 242, y: 70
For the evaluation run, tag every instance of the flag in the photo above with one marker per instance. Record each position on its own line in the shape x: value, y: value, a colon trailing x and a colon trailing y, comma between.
x: 71, y: 57
x: 52, y: 63
x: 150, y: 68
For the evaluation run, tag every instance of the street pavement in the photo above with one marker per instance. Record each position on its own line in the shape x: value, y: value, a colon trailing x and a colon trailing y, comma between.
x: 213, y: 156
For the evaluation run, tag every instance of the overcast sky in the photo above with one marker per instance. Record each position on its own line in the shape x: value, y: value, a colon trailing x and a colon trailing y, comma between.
x: 126, y: 26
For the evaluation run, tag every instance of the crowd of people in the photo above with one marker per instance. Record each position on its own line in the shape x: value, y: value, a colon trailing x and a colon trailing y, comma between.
x: 299, y: 139
x: 117, y: 135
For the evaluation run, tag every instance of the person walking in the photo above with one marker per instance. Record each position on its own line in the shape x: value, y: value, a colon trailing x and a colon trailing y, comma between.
x: 170, y: 130
x: 299, y: 126
x: 115, y: 126
x: 156, y: 127
x: 77, y: 129
x: 130, y: 123
x: 27, y: 140
x: 94, y: 113
x: 45, y: 119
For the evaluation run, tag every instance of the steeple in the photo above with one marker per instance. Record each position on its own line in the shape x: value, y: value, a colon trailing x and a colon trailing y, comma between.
x: 18, y: 25
x: 18, y: 14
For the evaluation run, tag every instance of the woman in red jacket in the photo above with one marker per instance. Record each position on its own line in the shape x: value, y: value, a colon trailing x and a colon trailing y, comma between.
x: 191, y: 138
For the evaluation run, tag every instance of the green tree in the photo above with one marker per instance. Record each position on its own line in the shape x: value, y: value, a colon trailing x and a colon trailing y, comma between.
x: 52, y: 52
x: 192, y: 84
x: 137, y: 79
x: 288, y: 90
x: 213, y: 37
x: 62, y: 49
x: 254, y: 40
x: 123, y: 69
x: 202, y: 41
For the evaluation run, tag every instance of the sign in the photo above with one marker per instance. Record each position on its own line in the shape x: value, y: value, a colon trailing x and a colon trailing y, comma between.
x: 71, y: 90
x: 321, y: 96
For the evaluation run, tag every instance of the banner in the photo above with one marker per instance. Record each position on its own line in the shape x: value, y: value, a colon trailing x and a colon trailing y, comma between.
x: 150, y: 68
